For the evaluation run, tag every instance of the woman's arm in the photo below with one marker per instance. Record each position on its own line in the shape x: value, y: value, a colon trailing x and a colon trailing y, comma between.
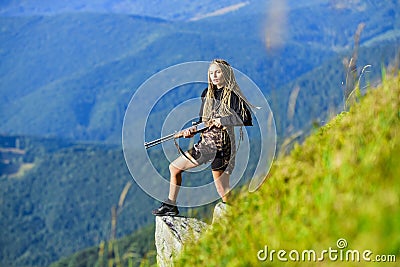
x: 203, y: 98
x: 237, y: 118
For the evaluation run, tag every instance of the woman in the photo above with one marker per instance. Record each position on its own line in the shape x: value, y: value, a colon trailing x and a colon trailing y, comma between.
x: 223, y: 107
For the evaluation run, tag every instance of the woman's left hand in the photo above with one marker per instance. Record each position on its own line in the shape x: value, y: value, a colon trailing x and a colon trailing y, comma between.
x: 217, y: 122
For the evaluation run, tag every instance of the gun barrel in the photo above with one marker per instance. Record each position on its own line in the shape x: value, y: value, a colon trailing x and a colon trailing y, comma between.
x: 158, y: 141
x: 199, y: 127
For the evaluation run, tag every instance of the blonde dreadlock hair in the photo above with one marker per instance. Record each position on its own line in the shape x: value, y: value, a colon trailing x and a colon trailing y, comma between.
x: 230, y: 86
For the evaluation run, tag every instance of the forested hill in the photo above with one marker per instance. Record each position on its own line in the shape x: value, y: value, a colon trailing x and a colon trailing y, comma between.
x: 56, y: 198
x: 71, y: 75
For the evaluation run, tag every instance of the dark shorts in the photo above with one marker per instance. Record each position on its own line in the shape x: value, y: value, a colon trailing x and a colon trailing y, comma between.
x: 220, y: 160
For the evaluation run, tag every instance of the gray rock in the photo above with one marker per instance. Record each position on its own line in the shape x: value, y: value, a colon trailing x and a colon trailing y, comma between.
x: 220, y: 211
x: 172, y: 233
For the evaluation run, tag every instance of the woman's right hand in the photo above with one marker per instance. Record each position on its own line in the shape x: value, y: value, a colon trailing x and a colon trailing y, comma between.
x: 189, y: 133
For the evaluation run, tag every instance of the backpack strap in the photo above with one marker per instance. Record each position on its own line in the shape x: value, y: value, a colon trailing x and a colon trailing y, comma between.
x: 183, y: 152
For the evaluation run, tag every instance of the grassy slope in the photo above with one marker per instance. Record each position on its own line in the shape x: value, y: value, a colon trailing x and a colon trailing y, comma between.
x: 341, y: 183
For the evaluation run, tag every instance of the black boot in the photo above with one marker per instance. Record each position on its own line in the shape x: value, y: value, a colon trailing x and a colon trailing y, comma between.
x: 166, y: 209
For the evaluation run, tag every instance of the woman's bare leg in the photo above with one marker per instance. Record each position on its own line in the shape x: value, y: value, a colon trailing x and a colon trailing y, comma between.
x: 221, y: 180
x: 175, y: 169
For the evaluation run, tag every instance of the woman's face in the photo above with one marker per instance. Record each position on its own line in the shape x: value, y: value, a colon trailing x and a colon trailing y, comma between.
x: 216, y: 76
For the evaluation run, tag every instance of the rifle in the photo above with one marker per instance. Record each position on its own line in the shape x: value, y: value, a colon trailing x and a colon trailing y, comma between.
x: 196, y: 128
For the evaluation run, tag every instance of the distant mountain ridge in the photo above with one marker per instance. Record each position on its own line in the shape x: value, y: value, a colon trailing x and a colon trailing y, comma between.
x: 72, y: 75
x: 172, y: 10
x: 168, y: 10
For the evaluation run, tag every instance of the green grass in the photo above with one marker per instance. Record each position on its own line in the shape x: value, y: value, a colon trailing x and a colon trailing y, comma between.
x: 340, y: 183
